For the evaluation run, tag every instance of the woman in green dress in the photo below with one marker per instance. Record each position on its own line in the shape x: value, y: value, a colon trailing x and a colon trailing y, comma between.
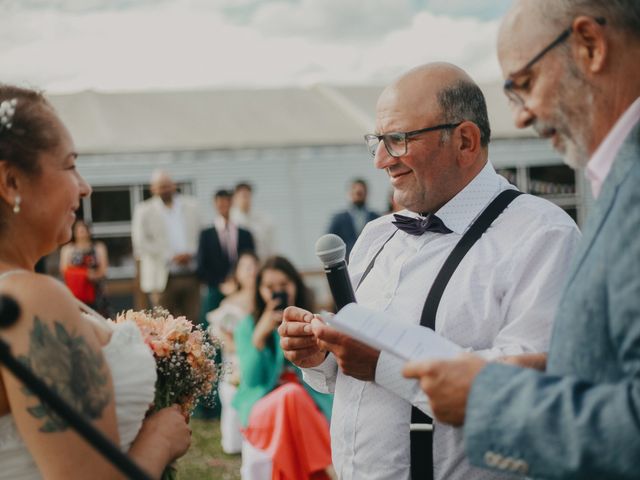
x: 282, y: 417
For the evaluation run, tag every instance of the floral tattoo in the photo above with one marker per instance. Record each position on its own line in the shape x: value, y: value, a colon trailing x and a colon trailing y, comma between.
x: 71, y: 368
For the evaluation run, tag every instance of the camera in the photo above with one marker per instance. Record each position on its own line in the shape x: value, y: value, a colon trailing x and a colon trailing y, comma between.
x: 282, y: 298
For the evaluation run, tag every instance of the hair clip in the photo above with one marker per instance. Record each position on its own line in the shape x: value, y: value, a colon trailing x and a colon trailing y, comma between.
x: 7, y: 111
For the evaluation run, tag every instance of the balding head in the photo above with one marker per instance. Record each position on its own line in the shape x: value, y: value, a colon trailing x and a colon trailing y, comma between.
x: 438, y: 92
x: 163, y: 186
x: 429, y: 168
x: 416, y: 92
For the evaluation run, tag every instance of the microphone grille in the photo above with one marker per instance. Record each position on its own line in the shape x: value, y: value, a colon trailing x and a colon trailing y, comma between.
x: 330, y: 249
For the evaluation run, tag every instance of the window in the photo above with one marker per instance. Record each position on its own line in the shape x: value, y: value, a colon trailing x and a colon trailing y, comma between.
x: 111, y: 204
x: 557, y: 183
x: 511, y: 174
x: 552, y: 180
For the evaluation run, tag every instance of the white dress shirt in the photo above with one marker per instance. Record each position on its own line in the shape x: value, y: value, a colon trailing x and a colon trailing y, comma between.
x: 261, y: 228
x: 500, y: 301
x: 176, y: 234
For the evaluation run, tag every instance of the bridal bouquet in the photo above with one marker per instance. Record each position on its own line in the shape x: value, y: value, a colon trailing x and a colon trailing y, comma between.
x: 184, y: 357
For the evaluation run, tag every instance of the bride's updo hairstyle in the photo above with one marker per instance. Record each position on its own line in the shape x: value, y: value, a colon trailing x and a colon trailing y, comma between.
x: 28, y: 126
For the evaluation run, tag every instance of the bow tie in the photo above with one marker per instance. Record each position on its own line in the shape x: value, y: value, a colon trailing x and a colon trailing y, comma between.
x: 417, y: 226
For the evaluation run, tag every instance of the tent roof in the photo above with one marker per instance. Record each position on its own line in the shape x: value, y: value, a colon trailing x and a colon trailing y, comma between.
x: 234, y: 119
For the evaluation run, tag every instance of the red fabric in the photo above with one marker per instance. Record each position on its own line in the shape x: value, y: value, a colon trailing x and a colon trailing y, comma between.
x: 287, y: 425
x: 77, y: 279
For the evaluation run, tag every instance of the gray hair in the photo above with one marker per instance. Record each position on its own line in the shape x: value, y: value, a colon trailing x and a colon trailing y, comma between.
x: 465, y: 101
x: 620, y: 14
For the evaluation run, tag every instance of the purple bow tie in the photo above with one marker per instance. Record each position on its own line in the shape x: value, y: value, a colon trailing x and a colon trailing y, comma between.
x: 417, y: 226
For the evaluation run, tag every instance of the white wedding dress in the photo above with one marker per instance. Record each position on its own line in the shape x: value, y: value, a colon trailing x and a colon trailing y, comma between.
x: 134, y: 376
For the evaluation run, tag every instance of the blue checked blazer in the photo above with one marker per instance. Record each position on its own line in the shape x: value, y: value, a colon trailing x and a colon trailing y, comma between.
x: 580, y: 419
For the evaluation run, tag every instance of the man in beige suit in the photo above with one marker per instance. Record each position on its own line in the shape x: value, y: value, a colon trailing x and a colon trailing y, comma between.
x: 165, y: 234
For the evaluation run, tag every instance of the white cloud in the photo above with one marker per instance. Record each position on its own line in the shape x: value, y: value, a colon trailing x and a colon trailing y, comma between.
x: 188, y: 44
x: 486, y: 9
x: 333, y: 19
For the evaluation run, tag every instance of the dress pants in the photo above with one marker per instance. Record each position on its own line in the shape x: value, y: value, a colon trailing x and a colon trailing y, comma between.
x: 182, y: 296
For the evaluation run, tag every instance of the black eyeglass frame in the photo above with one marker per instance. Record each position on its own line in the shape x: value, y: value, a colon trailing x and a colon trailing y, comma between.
x: 403, y: 136
x: 509, y: 84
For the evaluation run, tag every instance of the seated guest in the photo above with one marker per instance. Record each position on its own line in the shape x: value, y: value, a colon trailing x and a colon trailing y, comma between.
x: 286, y: 427
x: 223, y: 321
x: 105, y: 372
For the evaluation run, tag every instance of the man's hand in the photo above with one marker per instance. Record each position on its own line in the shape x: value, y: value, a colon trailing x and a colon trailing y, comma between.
x: 354, y: 358
x: 447, y: 384
x: 182, y: 259
x: 297, y: 339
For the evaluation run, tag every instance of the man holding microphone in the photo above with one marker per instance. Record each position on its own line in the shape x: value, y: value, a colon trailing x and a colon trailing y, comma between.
x: 432, y: 140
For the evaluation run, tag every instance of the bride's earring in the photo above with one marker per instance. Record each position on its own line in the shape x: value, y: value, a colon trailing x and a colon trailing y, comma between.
x: 16, y: 205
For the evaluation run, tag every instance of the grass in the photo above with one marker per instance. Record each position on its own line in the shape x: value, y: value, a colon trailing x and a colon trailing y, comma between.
x: 205, y: 460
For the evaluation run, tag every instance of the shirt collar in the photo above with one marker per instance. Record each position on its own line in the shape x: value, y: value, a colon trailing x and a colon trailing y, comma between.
x: 602, y: 160
x: 459, y: 213
x: 220, y: 224
x: 175, y: 203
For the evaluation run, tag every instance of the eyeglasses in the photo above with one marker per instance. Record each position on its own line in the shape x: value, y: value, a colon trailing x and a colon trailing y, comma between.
x: 396, y: 142
x: 509, y: 84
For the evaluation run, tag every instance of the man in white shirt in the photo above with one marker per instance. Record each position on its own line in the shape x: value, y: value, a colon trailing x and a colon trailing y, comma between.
x: 164, y: 232
x: 244, y: 215
x: 432, y: 140
x: 571, y: 69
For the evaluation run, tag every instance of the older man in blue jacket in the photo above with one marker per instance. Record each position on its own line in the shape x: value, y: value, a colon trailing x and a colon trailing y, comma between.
x: 572, y: 71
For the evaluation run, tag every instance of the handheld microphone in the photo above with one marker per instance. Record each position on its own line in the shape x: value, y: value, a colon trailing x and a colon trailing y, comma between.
x: 9, y: 311
x: 331, y: 251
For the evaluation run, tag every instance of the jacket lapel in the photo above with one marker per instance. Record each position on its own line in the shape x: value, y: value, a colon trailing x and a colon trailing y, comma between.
x: 625, y: 159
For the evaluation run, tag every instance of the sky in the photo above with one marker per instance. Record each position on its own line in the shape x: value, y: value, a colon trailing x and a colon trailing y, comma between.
x: 132, y: 45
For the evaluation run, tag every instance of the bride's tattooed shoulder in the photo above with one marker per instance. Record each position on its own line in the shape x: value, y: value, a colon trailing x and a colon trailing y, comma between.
x: 71, y: 367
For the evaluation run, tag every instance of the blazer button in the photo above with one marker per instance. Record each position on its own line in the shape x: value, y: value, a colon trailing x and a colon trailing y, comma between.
x: 491, y: 459
x: 520, y: 466
x: 505, y: 463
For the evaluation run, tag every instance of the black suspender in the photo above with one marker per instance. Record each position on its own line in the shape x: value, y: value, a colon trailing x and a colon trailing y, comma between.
x: 373, y: 260
x: 471, y: 236
x: 421, y: 442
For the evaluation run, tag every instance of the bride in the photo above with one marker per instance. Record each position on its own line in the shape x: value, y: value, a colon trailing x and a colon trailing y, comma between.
x: 106, y: 373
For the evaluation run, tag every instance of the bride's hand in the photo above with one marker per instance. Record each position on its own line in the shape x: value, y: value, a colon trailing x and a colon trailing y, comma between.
x: 164, y: 437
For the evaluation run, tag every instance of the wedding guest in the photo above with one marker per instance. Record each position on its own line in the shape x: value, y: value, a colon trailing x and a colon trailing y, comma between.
x: 349, y: 223
x: 83, y: 265
x: 223, y: 322
x: 286, y: 429
x: 571, y: 70
x: 245, y: 215
x: 164, y: 232
x: 104, y: 372
x: 219, y: 247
